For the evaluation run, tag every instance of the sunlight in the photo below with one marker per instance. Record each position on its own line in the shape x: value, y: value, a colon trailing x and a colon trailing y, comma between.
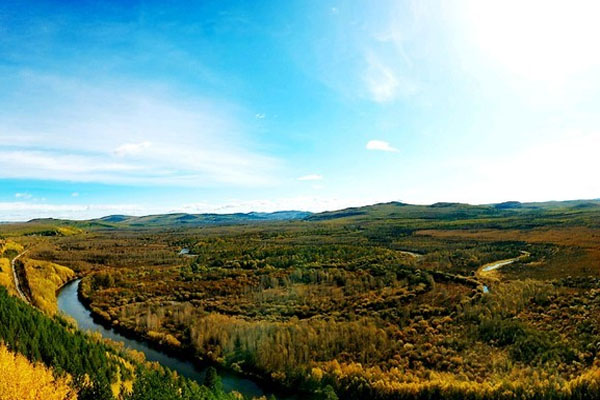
x: 542, y: 40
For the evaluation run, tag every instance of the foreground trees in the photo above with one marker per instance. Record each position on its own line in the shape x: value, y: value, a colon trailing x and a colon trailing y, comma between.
x: 22, y: 380
x: 83, y: 365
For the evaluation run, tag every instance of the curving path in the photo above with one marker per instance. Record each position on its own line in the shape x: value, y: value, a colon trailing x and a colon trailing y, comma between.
x: 16, y: 278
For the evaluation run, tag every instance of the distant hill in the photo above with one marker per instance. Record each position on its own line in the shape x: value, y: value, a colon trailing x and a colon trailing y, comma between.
x: 508, y: 205
x: 403, y: 210
x: 183, y: 219
x: 450, y: 211
x: 391, y: 210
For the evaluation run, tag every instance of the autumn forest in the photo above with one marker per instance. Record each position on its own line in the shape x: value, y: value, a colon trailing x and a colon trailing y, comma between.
x: 391, y: 301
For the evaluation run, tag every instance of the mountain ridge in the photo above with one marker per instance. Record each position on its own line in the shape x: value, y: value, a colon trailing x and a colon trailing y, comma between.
x: 393, y: 209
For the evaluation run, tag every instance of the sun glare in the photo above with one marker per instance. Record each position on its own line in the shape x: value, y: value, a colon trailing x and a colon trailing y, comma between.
x: 546, y: 40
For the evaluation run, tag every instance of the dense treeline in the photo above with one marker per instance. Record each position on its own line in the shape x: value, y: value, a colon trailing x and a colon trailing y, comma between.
x: 93, y: 365
x: 39, y: 338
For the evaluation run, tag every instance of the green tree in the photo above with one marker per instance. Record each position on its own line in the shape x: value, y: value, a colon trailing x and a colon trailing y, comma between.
x: 328, y: 393
x: 212, y: 379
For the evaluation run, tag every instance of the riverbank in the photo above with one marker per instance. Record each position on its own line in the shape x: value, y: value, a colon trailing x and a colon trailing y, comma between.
x: 184, y: 360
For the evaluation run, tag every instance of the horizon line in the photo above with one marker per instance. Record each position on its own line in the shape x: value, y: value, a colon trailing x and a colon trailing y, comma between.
x: 292, y: 210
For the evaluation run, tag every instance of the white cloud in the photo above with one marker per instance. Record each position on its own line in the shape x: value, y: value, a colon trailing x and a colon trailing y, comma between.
x: 25, y: 196
x: 21, y: 211
x: 311, y: 177
x: 56, y: 166
x: 75, y: 194
x: 299, y: 203
x: 382, y: 83
x: 380, y: 145
x: 131, y: 148
x: 132, y: 136
x: 260, y: 116
x: 189, y: 169
x: 387, y: 75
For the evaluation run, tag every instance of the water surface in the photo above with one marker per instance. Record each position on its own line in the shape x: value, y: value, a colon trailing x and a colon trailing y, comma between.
x: 69, y: 303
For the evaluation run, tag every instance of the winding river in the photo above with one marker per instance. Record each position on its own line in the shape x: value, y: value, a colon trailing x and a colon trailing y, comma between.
x: 69, y: 303
x: 499, y: 264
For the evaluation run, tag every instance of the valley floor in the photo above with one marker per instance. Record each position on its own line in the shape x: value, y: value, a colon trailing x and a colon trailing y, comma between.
x: 386, y: 302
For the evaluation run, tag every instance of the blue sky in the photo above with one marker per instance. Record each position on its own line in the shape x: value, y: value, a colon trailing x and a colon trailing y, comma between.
x: 222, y: 106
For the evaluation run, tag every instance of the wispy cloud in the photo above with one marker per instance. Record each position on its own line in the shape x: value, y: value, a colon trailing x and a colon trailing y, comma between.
x: 301, y: 203
x: 380, y: 145
x: 24, y: 211
x: 386, y: 81
x: 24, y: 196
x: 57, y: 166
x: 382, y: 83
x: 311, y: 177
x: 131, y: 148
x: 134, y: 136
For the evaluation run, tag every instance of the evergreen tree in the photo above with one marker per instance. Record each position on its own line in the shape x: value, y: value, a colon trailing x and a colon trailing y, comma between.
x: 212, y: 379
x: 328, y: 393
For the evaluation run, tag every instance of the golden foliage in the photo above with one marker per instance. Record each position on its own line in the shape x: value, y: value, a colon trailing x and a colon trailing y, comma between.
x: 22, y: 380
x: 120, y: 385
x: 6, y: 276
x: 341, y: 303
x: 44, y: 279
x: 9, y: 245
x: 68, y: 230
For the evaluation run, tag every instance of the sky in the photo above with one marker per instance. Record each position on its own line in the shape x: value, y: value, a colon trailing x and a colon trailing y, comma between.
x: 145, y: 107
